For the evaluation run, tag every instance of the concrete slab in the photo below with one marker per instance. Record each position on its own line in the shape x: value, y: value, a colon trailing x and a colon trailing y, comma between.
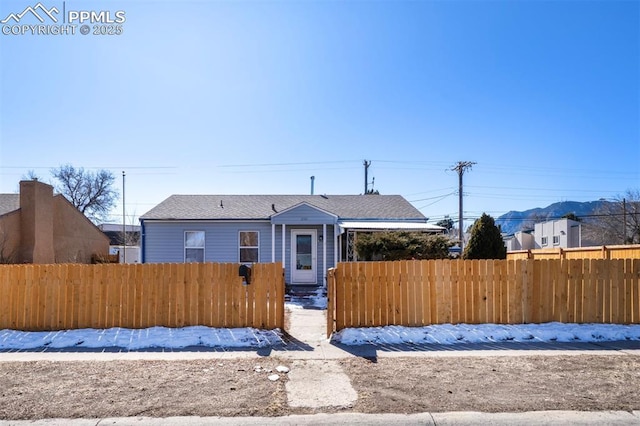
x: 318, y: 384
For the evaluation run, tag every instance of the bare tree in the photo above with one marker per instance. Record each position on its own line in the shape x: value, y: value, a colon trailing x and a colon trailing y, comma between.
x: 90, y: 192
x: 130, y: 237
x: 616, y: 222
x: 31, y: 175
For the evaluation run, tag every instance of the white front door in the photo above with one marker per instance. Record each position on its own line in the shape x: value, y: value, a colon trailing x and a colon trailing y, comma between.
x: 303, y: 256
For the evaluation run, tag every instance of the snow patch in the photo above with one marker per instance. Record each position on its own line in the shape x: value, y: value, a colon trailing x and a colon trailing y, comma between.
x: 450, y: 334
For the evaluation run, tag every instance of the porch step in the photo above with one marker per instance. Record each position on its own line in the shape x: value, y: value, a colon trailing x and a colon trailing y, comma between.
x: 302, y: 290
x: 307, y: 296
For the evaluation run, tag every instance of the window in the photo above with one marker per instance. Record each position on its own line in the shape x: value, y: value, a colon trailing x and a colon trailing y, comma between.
x: 545, y: 241
x: 194, y: 246
x: 249, y: 246
x: 556, y: 240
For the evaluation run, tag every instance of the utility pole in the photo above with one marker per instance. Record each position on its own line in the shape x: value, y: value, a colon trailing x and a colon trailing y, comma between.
x: 366, y: 176
x: 124, y: 225
x: 461, y: 167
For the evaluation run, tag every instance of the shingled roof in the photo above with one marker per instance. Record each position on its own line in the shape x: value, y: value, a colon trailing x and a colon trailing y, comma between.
x: 9, y: 203
x: 256, y: 207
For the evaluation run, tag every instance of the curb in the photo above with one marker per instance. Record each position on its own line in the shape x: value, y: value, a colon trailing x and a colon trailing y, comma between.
x: 452, y: 418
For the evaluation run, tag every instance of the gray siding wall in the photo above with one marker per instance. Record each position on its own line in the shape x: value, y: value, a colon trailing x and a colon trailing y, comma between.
x: 164, y: 242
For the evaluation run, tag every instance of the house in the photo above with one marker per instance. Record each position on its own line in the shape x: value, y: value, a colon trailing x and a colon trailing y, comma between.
x: 114, y: 232
x: 307, y: 233
x: 37, y: 226
x: 126, y: 253
x: 563, y: 233
x: 521, y: 240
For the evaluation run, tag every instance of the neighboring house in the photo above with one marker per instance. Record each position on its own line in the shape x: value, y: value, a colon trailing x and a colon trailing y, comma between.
x: 317, y: 230
x: 129, y: 252
x: 37, y: 226
x: 521, y: 240
x: 563, y: 233
x: 114, y: 232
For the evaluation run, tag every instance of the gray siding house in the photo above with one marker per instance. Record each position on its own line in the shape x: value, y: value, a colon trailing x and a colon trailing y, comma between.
x: 307, y: 233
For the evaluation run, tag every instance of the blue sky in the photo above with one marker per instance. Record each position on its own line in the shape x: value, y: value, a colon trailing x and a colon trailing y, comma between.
x: 249, y: 97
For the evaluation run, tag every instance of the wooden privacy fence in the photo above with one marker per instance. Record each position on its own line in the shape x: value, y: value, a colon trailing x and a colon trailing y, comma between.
x: 70, y: 296
x: 596, y: 252
x: 418, y: 293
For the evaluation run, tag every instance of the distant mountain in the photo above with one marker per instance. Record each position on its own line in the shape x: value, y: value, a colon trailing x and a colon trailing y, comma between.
x: 514, y: 221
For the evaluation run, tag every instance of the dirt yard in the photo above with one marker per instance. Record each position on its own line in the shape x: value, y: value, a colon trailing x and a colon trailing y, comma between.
x: 36, y: 390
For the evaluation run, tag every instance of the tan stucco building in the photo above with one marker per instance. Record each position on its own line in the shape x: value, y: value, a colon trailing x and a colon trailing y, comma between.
x: 37, y: 226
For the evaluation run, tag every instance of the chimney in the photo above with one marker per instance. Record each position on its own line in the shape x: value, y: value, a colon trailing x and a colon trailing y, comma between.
x: 36, y: 222
x: 313, y: 178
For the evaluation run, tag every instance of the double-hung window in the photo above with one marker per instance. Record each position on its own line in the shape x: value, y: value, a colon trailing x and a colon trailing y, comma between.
x: 556, y: 240
x: 193, y: 246
x: 545, y: 241
x: 249, y: 246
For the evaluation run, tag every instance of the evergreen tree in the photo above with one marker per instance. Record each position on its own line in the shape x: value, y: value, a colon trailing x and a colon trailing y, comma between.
x: 446, y: 223
x: 572, y: 216
x: 485, y: 241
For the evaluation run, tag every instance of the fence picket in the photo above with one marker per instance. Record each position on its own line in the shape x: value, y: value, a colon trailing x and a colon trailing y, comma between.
x: 376, y: 295
x: 29, y: 308
x: 635, y: 292
x: 444, y: 291
x: 425, y: 268
x: 410, y: 291
x: 369, y: 304
x: 627, y: 295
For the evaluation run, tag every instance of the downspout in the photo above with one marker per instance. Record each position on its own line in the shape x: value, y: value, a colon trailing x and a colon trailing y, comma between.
x: 337, y: 244
x: 142, y: 242
x: 579, y: 235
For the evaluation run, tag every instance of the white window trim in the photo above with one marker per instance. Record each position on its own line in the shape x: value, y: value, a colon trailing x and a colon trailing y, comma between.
x: 556, y: 240
x: 544, y: 241
x: 184, y: 243
x: 240, y: 247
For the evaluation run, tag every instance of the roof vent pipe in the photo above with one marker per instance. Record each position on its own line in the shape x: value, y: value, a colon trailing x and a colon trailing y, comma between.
x: 313, y: 178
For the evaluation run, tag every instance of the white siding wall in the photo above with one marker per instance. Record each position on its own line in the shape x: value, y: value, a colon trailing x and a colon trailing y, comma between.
x: 567, y: 231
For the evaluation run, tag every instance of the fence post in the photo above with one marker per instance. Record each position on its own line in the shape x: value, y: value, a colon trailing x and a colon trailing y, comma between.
x: 331, y: 301
x: 526, y: 300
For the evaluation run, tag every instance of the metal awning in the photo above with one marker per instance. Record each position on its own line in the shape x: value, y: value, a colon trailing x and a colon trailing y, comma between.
x: 388, y: 226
